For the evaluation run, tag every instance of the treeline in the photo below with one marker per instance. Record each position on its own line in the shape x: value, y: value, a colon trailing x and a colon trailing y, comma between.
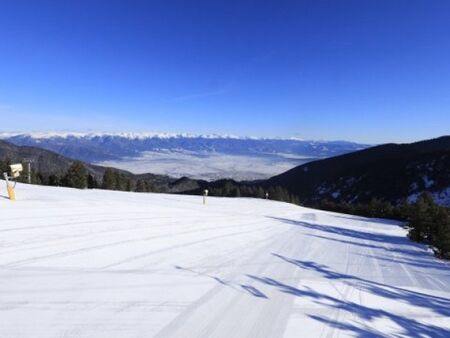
x: 77, y: 176
x: 36, y: 177
x: 375, y: 208
x: 115, y: 180
x: 229, y: 188
x: 428, y: 222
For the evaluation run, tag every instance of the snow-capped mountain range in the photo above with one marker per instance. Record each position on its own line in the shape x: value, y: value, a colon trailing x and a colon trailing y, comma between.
x: 209, y: 156
x: 127, y: 135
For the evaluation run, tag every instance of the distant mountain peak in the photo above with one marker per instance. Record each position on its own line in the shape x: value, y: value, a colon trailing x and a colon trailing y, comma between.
x: 206, y: 156
x: 134, y: 135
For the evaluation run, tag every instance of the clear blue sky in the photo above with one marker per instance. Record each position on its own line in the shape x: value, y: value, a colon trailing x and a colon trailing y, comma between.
x: 371, y: 71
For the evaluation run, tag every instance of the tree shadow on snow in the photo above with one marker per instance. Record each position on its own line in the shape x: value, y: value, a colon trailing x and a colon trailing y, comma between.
x: 236, y: 286
x: 369, y: 236
x: 383, y: 221
x: 409, y: 326
x: 414, y: 262
x: 419, y: 251
x: 418, y: 254
x: 401, y: 244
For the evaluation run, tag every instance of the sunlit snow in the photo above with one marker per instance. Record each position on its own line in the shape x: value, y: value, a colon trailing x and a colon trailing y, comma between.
x: 93, y: 263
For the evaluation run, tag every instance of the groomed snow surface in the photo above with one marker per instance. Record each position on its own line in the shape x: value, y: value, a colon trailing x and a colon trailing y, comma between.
x: 95, y: 263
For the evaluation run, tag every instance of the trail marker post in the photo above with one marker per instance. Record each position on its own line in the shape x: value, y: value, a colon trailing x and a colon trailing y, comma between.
x: 16, y: 169
x: 205, y: 194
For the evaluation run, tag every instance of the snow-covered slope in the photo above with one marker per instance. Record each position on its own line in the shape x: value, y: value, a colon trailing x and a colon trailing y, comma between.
x: 98, y: 263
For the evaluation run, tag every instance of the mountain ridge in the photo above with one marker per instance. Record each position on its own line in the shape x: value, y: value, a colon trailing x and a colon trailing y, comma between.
x: 50, y: 163
x: 143, y: 135
x: 178, y: 155
x: 390, y: 172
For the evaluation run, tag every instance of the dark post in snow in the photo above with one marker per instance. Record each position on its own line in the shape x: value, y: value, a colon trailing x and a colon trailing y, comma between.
x: 28, y: 162
x: 29, y: 172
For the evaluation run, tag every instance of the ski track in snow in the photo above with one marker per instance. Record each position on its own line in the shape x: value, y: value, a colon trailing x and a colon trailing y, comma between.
x: 98, y: 263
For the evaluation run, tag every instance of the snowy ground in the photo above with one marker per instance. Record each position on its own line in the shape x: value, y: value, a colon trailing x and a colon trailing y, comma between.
x: 113, y: 264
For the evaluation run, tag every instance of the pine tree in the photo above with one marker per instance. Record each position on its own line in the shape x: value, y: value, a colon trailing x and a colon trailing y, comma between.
x: 4, y: 166
x: 109, y: 179
x: 140, y: 186
x: 402, y: 211
x: 54, y: 180
x: 148, y: 186
x: 76, y: 176
x: 120, y: 181
x: 295, y: 199
x: 439, y: 232
x: 260, y: 192
x: 387, y: 210
x: 237, y: 192
x: 92, y: 182
x: 129, y: 185
x: 422, y: 218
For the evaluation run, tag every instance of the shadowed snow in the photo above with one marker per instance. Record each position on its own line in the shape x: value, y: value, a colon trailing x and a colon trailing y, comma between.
x: 93, y: 263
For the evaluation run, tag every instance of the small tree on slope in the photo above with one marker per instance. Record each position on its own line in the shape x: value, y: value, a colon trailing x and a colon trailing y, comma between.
x: 77, y: 176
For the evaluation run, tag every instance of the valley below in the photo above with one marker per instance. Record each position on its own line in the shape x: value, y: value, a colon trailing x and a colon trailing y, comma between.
x: 208, y: 165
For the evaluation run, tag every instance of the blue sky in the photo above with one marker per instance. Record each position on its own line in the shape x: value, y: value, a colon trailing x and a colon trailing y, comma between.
x: 369, y: 71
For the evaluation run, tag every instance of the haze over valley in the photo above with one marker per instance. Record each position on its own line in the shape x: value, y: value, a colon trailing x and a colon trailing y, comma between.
x: 205, y: 157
